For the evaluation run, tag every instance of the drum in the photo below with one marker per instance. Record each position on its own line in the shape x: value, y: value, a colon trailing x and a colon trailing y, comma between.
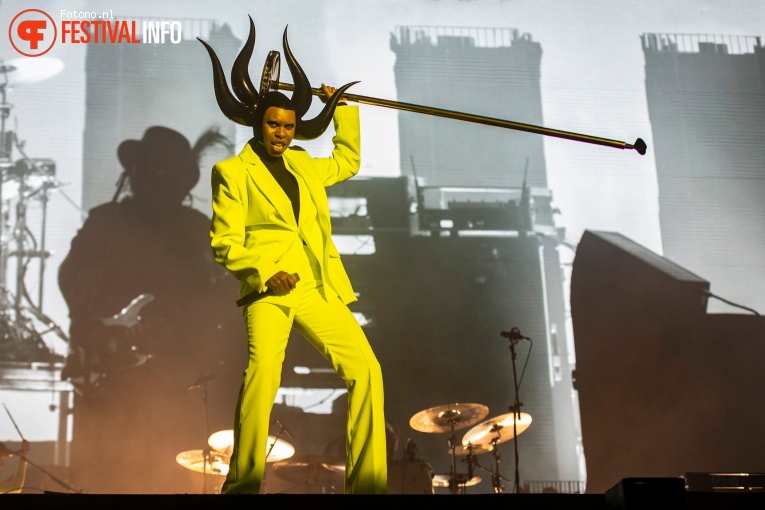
x: 410, y: 476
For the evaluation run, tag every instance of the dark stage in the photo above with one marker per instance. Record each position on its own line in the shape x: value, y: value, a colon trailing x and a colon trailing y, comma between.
x: 689, y: 501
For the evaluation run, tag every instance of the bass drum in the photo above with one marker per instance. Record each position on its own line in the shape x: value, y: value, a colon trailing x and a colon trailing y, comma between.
x: 410, y: 476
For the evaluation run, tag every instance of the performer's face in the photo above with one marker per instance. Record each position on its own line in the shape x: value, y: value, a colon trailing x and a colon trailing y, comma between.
x: 278, y: 130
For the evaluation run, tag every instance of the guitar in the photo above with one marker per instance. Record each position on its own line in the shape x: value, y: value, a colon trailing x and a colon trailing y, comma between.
x: 90, y: 370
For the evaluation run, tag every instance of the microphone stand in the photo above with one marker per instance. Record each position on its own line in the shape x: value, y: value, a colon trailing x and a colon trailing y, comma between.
x: 517, y: 404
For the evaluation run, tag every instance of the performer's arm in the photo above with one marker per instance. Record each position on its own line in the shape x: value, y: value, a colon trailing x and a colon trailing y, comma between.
x: 252, y: 266
x: 345, y: 160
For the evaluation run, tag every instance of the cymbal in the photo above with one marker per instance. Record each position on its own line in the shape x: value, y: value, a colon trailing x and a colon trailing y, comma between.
x: 23, y: 71
x: 311, y: 469
x: 461, y: 479
x: 217, y: 463
x: 11, y: 187
x: 497, y: 430
x: 223, y: 442
x: 476, y: 449
x: 448, y: 417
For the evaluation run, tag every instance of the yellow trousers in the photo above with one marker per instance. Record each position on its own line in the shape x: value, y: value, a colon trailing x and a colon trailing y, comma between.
x: 330, y: 327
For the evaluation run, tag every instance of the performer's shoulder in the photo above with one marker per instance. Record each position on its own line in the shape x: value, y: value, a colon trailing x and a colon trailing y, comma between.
x: 108, y: 209
x: 229, y: 162
x: 229, y: 166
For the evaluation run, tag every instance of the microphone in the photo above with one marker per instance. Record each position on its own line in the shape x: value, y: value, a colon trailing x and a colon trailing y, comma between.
x: 284, y: 429
x: 514, y: 334
x: 199, y: 382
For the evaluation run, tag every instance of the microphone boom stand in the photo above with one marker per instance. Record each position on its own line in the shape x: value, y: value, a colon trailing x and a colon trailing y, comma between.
x: 514, y: 338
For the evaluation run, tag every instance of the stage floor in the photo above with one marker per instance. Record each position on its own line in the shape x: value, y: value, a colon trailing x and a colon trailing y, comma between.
x: 693, y: 501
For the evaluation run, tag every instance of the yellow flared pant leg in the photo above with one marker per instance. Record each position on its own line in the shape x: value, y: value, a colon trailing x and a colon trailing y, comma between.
x: 334, y: 331
x: 268, y: 328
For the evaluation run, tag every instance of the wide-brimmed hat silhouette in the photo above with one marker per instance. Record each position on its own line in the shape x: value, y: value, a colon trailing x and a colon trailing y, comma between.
x: 163, y: 152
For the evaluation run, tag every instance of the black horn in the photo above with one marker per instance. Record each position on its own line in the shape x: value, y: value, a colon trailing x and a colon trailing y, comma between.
x: 240, y: 73
x: 232, y: 108
x: 302, y: 96
x: 314, y: 128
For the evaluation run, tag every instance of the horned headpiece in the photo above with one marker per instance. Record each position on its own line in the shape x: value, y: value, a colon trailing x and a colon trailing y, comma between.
x: 242, y: 106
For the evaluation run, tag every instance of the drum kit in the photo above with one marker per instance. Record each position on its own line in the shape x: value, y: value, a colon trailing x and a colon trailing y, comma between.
x: 23, y: 180
x: 323, y: 473
x: 483, y: 436
x: 326, y: 473
x: 215, y: 459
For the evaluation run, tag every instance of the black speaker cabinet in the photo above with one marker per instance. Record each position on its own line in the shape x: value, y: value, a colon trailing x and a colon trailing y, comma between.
x: 664, y: 387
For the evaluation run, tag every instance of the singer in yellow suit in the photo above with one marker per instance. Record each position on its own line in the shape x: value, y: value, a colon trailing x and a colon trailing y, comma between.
x: 271, y: 221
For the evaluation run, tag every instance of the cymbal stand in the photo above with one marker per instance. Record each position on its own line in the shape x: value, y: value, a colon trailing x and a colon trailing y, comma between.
x: 496, y: 477
x: 282, y: 430
x: 202, y: 382
x: 276, y: 437
x: 453, y: 418
x: 472, y: 461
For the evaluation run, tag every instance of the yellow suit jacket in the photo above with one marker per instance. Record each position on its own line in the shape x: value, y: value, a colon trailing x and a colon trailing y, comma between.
x: 253, y: 231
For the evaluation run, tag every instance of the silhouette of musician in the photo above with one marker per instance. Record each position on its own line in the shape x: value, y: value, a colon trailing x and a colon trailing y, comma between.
x: 150, y: 313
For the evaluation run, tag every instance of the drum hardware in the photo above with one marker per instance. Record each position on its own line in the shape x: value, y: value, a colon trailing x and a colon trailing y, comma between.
x: 211, y: 461
x: 496, y: 476
x: 21, y: 181
x: 449, y: 418
x: 204, y: 461
x: 270, y: 81
x: 469, y: 452
x: 488, y: 435
x: 323, y: 471
x: 278, y: 449
x: 410, y: 475
x: 215, y: 458
x: 463, y: 480
x: 26, y: 71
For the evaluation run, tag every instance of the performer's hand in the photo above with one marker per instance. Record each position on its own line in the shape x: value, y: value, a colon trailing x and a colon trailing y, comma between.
x: 4, y: 452
x: 281, y: 283
x: 328, y: 91
x: 25, y: 447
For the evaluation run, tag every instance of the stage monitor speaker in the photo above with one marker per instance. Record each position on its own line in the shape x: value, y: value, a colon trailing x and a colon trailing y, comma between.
x: 647, y: 494
x: 608, y: 264
x: 725, y: 482
x: 664, y: 388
